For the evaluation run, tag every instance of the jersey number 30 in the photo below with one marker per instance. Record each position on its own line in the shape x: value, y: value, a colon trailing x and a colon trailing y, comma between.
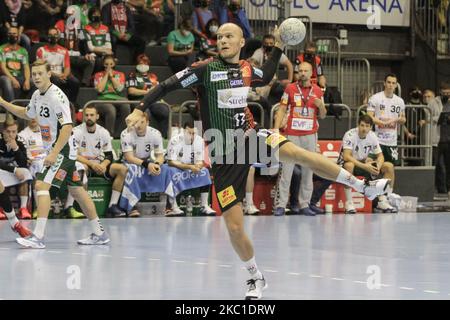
x: 45, y: 112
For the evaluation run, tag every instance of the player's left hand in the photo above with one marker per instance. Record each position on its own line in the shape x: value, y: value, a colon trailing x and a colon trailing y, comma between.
x: 134, y: 117
x: 50, y: 160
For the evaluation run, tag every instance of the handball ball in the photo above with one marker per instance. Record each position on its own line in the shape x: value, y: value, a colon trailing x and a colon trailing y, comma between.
x: 292, y: 31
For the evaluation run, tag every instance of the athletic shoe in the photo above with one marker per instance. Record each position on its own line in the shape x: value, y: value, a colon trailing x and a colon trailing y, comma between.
x: 21, y: 230
x: 350, y: 208
x: 307, y: 212
x: 374, y: 188
x: 31, y: 241
x: 134, y: 213
x: 207, y: 211
x: 24, y: 213
x: 115, y: 212
x: 173, y: 213
x: 251, y: 210
x: 316, y: 209
x: 35, y: 214
x: 71, y: 213
x: 94, y: 239
x: 255, y: 288
x: 279, y: 212
x: 385, y: 207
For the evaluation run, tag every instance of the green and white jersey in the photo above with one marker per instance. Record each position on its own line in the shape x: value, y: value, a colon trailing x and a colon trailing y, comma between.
x: 52, y: 111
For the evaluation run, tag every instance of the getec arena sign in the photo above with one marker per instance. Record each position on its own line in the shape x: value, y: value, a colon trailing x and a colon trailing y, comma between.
x: 365, y: 12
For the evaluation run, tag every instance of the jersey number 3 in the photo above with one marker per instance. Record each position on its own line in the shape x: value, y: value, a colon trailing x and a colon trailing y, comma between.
x: 45, y: 112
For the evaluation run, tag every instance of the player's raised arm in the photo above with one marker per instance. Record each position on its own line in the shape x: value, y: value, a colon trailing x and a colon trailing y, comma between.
x: 18, y: 111
x: 263, y: 76
x: 183, y: 79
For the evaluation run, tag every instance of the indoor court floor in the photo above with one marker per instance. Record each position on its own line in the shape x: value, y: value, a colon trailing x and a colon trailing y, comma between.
x: 323, y: 257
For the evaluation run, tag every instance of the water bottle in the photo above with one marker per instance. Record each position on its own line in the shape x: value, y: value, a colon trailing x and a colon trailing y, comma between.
x: 189, y: 206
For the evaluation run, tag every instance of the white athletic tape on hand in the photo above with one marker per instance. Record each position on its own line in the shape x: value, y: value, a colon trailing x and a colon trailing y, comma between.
x: 43, y: 193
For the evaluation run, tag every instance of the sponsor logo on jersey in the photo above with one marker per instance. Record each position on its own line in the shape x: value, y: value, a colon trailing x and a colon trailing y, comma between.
x: 246, y: 72
x: 236, y: 83
x: 59, y: 115
x: 285, y: 98
x: 219, y: 75
x: 46, y: 134
x: 258, y: 72
x: 189, y: 80
x: 226, y: 196
x: 76, y: 176
x: 232, y: 98
x: 182, y: 73
x: 61, y: 175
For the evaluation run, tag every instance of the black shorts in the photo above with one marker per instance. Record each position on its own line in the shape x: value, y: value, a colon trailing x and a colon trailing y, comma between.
x: 230, y: 179
x: 92, y: 174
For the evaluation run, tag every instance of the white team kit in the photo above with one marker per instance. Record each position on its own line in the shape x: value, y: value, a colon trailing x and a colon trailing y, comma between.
x: 361, y: 148
x: 386, y: 108
x: 179, y: 150
x: 142, y: 146
x: 92, y: 145
x: 52, y: 111
x: 36, y: 151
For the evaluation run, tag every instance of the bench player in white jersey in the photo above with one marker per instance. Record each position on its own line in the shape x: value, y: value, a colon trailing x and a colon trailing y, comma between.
x: 95, y: 153
x: 387, y: 111
x: 186, y: 152
x: 51, y: 107
x: 361, y: 155
x: 138, y: 143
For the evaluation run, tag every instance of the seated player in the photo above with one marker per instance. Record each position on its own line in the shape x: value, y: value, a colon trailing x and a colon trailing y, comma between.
x: 357, y: 147
x: 13, y: 168
x: 32, y: 139
x: 13, y: 153
x: 95, y: 153
x: 138, y: 143
x: 186, y: 152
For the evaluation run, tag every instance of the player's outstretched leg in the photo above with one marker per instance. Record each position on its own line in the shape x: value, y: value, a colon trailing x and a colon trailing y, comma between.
x: 234, y: 219
x: 324, y: 167
x: 6, y: 205
x: 35, y: 240
x: 98, y: 235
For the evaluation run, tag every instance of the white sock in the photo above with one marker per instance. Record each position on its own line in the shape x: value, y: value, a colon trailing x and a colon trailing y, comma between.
x: 12, y: 218
x: 39, y: 229
x: 115, y: 195
x: 69, y: 201
x: 23, y: 201
x: 252, y: 268
x: 350, y: 180
x: 174, y: 204
x: 96, y: 226
x: 249, y: 198
x: 204, y: 197
x: 348, y: 194
x: 35, y: 199
x: 382, y: 198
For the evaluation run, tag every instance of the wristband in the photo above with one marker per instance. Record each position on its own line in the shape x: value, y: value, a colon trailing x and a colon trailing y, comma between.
x: 145, y: 164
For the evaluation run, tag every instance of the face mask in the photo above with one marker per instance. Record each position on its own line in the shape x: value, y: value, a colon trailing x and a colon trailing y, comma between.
x: 415, y: 95
x: 444, y: 99
x: 267, y: 48
x: 53, y: 40
x: 309, y: 56
x: 95, y: 19
x: 142, y: 68
x: 12, y: 39
x: 213, y: 29
x: 233, y: 7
